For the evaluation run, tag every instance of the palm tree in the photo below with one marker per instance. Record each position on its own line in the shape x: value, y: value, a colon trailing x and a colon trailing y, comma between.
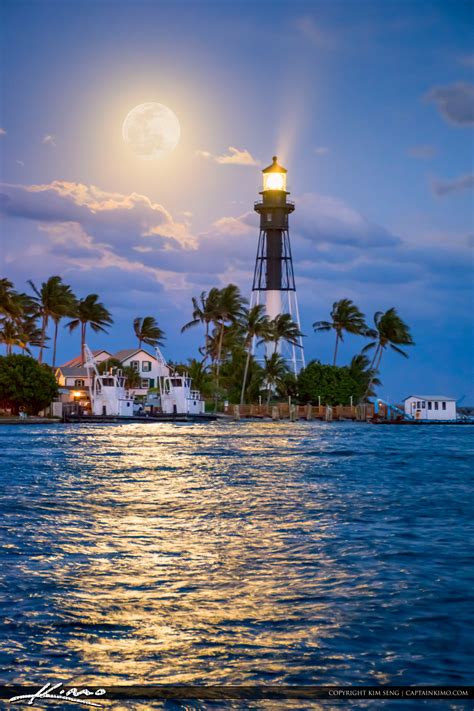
x: 229, y: 310
x: 53, y: 300
x: 11, y: 335
x: 390, y: 331
x: 65, y: 304
x: 109, y: 364
x: 90, y: 311
x: 345, y: 316
x: 132, y: 377
x: 274, y: 372
x: 31, y: 333
x: 199, y: 375
x: 205, y: 310
x: 256, y: 325
x: 9, y: 305
x: 147, y: 331
x: 363, y: 374
x: 282, y: 328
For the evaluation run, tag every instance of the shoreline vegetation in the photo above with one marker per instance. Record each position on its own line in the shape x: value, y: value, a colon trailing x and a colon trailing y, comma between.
x: 226, y: 370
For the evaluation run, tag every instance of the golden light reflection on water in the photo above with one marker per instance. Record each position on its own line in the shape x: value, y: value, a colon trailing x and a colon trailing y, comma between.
x: 220, y: 554
x: 183, y: 557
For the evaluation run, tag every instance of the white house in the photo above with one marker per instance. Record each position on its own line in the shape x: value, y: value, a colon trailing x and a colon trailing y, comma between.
x: 147, y: 365
x: 430, y: 407
x: 73, y: 376
x: 73, y: 379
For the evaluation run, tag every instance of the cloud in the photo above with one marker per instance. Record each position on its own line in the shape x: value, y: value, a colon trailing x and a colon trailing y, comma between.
x: 464, y: 182
x: 20, y: 163
x: 3, y: 132
x: 424, y: 152
x: 455, y: 102
x: 322, y: 150
x: 116, y: 217
x: 242, y: 225
x: 235, y: 156
x: 49, y: 140
x: 307, y: 27
x: 127, y: 243
x: 326, y: 219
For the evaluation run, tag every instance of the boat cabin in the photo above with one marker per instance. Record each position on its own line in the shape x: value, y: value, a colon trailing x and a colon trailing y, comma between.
x: 109, y: 396
x: 176, y: 396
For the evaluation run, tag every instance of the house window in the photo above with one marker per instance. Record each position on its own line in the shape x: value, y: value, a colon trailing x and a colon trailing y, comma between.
x: 429, y: 404
x: 269, y: 216
x: 135, y: 364
x: 151, y: 383
x: 444, y: 405
x: 418, y: 405
x: 78, y: 383
x: 436, y: 405
x: 145, y: 383
x: 146, y: 366
x: 423, y: 404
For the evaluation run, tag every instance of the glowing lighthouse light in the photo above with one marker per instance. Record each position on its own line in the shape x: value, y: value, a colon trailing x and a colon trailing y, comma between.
x: 274, y: 177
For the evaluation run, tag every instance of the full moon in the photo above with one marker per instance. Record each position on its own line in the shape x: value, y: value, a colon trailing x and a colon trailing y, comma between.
x: 151, y: 130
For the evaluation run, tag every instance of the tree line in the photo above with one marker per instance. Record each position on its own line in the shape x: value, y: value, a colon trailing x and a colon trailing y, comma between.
x: 25, y: 318
x: 227, y: 368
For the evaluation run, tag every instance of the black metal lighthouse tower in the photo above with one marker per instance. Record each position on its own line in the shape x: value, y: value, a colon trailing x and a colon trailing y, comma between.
x: 274, y: 279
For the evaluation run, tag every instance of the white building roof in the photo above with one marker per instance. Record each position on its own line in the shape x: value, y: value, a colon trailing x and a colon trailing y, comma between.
x: 443, y: 398
x: 121, y: 355
x: 127, y: 353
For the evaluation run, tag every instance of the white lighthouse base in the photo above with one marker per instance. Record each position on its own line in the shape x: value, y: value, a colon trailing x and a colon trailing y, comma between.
x: 281, y: 302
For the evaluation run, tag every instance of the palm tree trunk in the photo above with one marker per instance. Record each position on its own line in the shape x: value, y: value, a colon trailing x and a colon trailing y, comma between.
x: 375, y: 356
x: 269, y: 394
x: 139, y: 342
x: 219, y: 353
x: 335, y: 349
x: 374, y: 368
x: 246, y: 372
x: 56, y: 325
x: 377, y: 367
x: 83, y: 342
x: 206, y: 344
x: 43, y: 336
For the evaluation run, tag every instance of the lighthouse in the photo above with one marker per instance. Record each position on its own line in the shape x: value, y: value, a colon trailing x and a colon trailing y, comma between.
x: 274, y: 279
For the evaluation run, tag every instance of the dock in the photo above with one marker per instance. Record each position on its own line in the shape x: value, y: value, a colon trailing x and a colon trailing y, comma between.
x: 158, y: 417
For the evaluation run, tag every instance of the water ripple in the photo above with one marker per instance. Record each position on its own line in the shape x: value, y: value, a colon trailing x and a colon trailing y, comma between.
x: 236, y: 553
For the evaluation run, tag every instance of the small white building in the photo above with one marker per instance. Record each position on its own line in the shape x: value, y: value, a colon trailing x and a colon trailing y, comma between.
x: 430, y: 407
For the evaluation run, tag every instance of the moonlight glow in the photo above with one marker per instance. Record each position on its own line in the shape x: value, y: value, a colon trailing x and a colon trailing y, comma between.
x: 151, y: 130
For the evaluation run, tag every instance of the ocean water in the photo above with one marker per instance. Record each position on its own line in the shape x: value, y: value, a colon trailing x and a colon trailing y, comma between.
x: 237, y: 553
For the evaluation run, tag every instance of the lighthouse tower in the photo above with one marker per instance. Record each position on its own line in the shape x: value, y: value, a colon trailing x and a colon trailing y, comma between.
x: 274, y: 279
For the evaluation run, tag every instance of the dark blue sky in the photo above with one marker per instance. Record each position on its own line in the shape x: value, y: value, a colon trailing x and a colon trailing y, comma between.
x: 369, y: 105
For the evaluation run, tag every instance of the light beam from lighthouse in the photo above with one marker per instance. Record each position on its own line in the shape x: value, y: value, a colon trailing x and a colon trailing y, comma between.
x: 274, y: 279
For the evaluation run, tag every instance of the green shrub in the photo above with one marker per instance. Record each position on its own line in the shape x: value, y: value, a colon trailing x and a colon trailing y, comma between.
x: 26, y: 383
